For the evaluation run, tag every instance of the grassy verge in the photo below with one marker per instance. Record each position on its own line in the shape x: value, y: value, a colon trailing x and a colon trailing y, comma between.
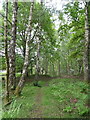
x: 62, y: 98
x: 20, y: 107
x: 66, y: 98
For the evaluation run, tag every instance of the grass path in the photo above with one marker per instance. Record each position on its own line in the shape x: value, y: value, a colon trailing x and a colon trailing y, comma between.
x: 57, y: 98
x: 44, y: 105
x: 37, y: 108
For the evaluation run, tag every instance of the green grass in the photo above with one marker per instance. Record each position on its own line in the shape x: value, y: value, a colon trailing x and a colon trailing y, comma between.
x: 62, y: 98
x: 69, y: 96
x: 21, y: 106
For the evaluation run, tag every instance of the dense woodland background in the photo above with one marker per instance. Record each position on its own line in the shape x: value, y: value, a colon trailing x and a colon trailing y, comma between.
x: 36, y: 46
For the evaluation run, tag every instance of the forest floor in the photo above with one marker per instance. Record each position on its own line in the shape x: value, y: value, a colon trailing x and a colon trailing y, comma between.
x: 57, y: 98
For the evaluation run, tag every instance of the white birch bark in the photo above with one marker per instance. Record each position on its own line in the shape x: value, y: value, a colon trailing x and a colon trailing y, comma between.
x: 87, y: 43
x: 12, y: 77
x: 27, y: 52
x: 6, y: 52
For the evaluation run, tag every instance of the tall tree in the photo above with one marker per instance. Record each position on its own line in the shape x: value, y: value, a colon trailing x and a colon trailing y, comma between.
x: 38, y: 51
x: 27, y: 52
x: 6, y: 51
x: 37, y: 58
x: 87, y: 43
x: 12, y: 76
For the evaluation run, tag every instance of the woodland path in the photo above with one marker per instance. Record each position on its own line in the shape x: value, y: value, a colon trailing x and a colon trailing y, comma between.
x: 45, y: 102
x: 37, y: 111
x: 39, y: 108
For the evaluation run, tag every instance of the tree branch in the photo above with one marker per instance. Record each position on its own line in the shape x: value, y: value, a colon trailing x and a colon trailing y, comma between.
x: 4, y: 17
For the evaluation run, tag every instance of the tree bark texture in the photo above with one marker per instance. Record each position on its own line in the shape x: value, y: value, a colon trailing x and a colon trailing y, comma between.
x: 37, y: 58
x: 12, y: 77
x: 6, y: 52
x: 87, y: 43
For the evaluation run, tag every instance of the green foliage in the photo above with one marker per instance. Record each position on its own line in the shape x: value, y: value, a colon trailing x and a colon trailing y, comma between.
x: 61, y: 98
x: 20, y: 107
x: 65, y: 44
x: 68, y: 109
x: 64, y: 91
x: 3, y: 65
x: 71, y: 37
x: 19, y: 63
x: 76, y: 13
x: 13, y: 110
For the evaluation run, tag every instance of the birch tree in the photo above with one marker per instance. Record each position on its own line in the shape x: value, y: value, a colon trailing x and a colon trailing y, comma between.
x: 87, y: 43
x: 37, y: 58
x: 12, y: 77
x: 38, y: 50
x: 27, y: 52
x: 6, y: 51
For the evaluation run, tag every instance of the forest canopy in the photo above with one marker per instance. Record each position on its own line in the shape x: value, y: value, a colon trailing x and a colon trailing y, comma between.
x: 38, y: 40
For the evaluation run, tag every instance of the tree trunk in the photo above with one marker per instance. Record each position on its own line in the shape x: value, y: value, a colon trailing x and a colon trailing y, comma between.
x: 59, y: 74
x: 46, y: 66
x: 80, y: 67
x: 12, y: 77
x: 27, y: 52
x: 24, y: 43
x: 67, y: 67
x: 53, y: 69
x: 87, y: 43
x: 31, y: 68
x: 6, y: 53
x: 37, y: 59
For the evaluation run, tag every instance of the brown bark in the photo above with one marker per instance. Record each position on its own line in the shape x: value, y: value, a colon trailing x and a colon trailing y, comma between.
x: 27, y: 52
x: 6, y: 53
x: 12, y: 77
x: 87, y: 43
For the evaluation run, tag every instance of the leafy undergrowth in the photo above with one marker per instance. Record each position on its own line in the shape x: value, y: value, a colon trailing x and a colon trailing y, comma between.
x: 61, y: 98
x: 21, y: 106
x: 66, y: 98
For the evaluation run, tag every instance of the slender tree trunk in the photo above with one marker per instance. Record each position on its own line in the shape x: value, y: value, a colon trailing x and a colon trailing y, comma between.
x: 45, y: 65
x: 12, y: 77
x: 38, y: 59
x: 38, y: 52
x: 24, y: 44
x: 67, y: 67
x: 87, y: 43
x: 27, y: 52
x: 6, y: 52
x: 59, y: 68
x: 53, y: 70
x: 80, y: 67
x: 31, y: 68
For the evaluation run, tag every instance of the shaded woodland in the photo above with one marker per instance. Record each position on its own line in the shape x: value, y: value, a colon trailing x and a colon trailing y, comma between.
x: 43, y: 53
